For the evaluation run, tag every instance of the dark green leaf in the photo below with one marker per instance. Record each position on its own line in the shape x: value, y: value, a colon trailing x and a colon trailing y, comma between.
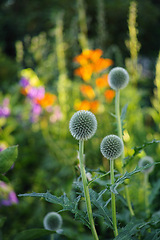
x: 7, y: 158
x: 32, y: 234
x: 4, y: 178
x: 155, y: 191
x: 2, y: 221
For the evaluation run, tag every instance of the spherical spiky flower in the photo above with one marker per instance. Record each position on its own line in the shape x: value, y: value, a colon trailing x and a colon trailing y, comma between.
x: 83, y: 125
x: 144, y: 161
x: 118, y: 78
x: 111, y: 147
x: 52, y: 221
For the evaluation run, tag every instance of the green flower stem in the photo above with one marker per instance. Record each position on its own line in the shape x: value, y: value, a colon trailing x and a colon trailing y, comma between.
x: 146, y: 193
x: 86, y: 190
x: 113, y: 200
x: 119, y: 125
x: 52, y: 237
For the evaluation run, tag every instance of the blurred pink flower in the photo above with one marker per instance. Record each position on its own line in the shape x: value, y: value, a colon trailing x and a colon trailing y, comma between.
x: 7, y: 195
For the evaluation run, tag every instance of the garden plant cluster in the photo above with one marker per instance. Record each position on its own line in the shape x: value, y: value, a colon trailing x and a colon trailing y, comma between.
x: 79, y: 149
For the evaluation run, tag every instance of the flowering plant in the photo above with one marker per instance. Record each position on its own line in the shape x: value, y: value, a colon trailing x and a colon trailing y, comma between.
x: 92, y: 70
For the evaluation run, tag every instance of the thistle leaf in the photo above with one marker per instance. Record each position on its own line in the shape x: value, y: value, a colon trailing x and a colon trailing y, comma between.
x: 137, y: 150
x: 65, y: 202
x: 128, y: 175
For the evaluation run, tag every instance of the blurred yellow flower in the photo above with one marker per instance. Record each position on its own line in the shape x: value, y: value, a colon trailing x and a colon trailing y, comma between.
x: 82, y: 105
x: 28, y: 73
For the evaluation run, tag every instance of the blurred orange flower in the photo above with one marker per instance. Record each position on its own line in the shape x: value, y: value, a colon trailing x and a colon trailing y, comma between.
x: 109, y: 95
x: 47, y: 101
x: 84, y: 72
x: 101, y: 64
x: 95, y: 55
x: 102, y: 81
x: 91, y: 62
x: 87, y: 91
x: 88, y: 56
x: 94, y: 106
x: 87, y: 105
x: 82, y: 105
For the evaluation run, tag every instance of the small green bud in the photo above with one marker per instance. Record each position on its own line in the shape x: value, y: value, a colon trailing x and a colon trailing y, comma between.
x: 111, y: 147
x: 118, y: 78
x: 52, y: 221
x: 83, y: 125
x: 144, y: 161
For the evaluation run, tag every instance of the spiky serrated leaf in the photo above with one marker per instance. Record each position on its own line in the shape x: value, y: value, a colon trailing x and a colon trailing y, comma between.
x: 98, y: 177
x: 137, y: 150
x: 128, y: 175
x: 130, y: 230
x: 7, y: 158
x: 65, y: 202
x: 32, y: 234
x: 97, y: 201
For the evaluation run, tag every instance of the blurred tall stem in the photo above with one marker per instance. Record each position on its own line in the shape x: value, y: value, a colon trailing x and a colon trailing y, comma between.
x: 86, y: 190
x: 82, y: 25
x: 132, y: 44
x: 52, y: 237
x: 119, y: 126
x: 63, y: 81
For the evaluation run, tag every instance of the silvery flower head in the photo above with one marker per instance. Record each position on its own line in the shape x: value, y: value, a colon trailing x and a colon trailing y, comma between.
x: 83, y: 125
x: 144, y: 161
x: 118, y: 78
x: 52, y: 221
x: 111, y: 147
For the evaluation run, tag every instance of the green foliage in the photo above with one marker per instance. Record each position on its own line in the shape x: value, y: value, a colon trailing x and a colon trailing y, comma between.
x: 32, y: 234
x: 7, y: 158
x: 49, y: 37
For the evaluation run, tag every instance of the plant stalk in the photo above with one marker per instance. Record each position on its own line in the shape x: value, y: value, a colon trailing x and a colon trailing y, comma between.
x: 86, y: 190
x: 146, y: 193
x: 119, y: 126
x: 52, y: 237
x: 113, y: 200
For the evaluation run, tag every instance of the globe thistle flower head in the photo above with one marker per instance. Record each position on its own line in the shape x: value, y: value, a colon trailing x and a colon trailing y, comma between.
x: 118, y: 78
x: 83, y: 125
x: 111, y: 147
x: 144, y: 161
x: 52, y: 221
